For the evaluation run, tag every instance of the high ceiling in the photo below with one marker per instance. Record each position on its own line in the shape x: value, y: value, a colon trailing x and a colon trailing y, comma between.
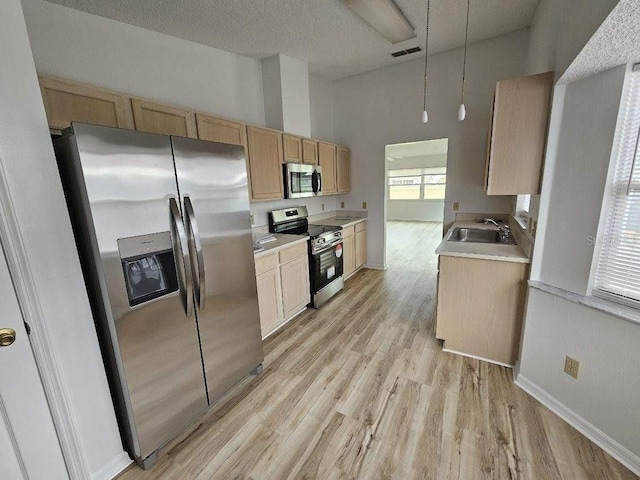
x: 335, y: 41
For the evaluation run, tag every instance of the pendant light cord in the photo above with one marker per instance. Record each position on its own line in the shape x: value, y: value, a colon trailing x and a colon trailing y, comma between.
x: 464, y: 63
x: 426, y: 60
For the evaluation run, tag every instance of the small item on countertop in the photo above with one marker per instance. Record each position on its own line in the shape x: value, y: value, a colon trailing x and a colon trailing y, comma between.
x: 258, y: 248
x: 266, y: 239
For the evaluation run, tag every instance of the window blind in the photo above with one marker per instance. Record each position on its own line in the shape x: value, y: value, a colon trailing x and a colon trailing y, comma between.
x: 618, y: 272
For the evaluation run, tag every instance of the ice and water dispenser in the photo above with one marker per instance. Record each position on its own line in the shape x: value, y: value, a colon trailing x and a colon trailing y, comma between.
x: 149, y: 266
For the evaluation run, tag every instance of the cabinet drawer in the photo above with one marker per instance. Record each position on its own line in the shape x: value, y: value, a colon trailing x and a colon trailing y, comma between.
x: 266, y: 263
x: 360, y: 227
x: 348, y: 231
x: 292, y: 253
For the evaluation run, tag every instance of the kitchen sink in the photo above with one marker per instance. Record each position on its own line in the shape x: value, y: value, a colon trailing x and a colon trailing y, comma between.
x: 479, y: 235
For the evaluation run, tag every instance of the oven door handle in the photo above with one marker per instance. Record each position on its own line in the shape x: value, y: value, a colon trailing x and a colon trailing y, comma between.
x: 327, y: 247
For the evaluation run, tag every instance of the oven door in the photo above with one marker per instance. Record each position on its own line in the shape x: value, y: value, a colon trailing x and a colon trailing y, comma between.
x: 326, y: 266
x: 302, y: 180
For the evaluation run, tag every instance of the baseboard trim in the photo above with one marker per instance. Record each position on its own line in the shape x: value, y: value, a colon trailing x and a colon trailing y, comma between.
x: 113, y: 468
x: 475, y: 357
x: 374, y: 266
x: 597, y: 436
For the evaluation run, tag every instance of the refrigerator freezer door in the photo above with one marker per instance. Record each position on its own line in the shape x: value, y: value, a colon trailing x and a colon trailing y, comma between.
x: 129, y: 181
x: 212, y: 180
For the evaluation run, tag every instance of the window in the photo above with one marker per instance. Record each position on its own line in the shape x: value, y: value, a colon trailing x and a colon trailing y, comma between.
x: 417, y: 183
x: 617, y: 276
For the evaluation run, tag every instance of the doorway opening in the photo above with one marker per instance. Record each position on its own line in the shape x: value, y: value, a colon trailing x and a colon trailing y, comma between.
x: 415, y: 186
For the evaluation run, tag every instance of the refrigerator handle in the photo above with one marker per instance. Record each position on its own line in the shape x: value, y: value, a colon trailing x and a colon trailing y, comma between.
x: 181, y: 252
x: 196, y: 243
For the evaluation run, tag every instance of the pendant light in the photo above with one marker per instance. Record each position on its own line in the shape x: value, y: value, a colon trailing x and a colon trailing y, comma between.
x: 425, y: 115
x: 462, y: 110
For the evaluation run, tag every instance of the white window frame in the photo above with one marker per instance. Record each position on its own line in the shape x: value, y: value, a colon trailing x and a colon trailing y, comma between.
x: 422, y: 184
x: 625, y: 136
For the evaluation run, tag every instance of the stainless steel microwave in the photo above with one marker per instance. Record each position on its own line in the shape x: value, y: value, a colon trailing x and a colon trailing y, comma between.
x: 302, y: 180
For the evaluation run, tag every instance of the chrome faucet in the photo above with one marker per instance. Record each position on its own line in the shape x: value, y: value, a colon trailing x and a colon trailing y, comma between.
x: 505, y: 231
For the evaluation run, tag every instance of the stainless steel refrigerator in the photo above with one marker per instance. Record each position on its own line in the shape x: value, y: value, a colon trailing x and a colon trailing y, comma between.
x: 163, y: 230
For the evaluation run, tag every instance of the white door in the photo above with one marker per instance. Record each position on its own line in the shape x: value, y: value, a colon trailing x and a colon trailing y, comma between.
x: 29, y: 447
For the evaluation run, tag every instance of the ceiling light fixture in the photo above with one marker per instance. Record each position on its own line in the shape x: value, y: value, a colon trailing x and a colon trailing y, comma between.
x: 462, y: 111
x: 425, y: 115
x: 385, y: 17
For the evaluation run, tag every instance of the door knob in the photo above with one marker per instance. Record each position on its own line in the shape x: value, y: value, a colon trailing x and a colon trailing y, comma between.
x: 7, y: 336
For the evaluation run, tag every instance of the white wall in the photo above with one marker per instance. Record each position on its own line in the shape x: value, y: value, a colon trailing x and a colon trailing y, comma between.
x: 99, y: 51
x: 285, y: 82
x: 608, y: 386
x: 29, y: 164
x: 321, y: 101
x: 415, y: 210
x: 579, y: 177
x: 558, y: 32
x: 385, y: 106
x: 259, y: 210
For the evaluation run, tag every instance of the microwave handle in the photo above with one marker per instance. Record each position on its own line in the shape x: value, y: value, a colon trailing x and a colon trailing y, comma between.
x: 316, y: 182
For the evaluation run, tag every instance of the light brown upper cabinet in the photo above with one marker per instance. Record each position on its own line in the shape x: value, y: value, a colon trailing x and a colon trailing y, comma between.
x: 216, y: 129
x: 265, y: 163
x: 292, y: 148
x: 66, y: 101
x: 157, y: 118
x: 517, y: 135
x: 343, y: 169
x: 309, y: 151
x: 327, y: 162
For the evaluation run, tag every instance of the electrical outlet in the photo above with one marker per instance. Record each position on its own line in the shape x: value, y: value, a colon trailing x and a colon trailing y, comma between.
x: 341, y: 204
x: 571, y: 366
x: 252, y: 219
x: 364, y: 205
x: 456, y: 206
x: 323, y: 207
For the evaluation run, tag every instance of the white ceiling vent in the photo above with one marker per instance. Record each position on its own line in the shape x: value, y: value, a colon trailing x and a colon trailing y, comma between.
x: 385, y: 17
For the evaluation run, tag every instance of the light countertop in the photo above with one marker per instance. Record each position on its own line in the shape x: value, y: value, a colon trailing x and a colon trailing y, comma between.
x: 283, y: 240
x: 339, y: 221
x: 485, y: 251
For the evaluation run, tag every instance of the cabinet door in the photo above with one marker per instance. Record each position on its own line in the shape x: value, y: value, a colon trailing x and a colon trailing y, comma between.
x: 309, y: 151
x: 292, y: 148
x: 220, y: 130
x: 344, y: 170
x: 519, y: 132
x: 67, y: 102
x: 269, y: 301
x: 156, y: 118
x: 265, y: 163
x: 294, y: 277
x: 489, y: 138
x: 327, y: 162
x: 349, y: 254
x: 361, y: 248
x: 480, y: 307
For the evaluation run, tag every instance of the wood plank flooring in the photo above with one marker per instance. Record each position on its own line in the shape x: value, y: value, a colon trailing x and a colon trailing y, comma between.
x: 362, y: 390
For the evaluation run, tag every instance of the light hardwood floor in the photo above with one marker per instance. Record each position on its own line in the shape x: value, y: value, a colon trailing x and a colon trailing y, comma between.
x: 361, y: 389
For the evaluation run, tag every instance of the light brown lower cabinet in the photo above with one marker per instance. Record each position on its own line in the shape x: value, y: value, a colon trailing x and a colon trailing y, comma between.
x: 481, y: 306
x: 282, y: 279
x: 349, y: 255
x: 354, y: 248
x: 294, y: 277
x: 269, y: 300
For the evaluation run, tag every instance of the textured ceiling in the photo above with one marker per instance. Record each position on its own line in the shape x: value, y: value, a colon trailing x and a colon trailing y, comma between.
x: 326, y: 33
x: 616, y: 42
x: 418, y: 149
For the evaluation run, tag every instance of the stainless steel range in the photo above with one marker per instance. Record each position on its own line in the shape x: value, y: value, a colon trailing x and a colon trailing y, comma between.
x: 325, y: 251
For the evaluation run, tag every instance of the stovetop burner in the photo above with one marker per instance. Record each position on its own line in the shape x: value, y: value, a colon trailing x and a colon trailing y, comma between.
x: 314, y: 231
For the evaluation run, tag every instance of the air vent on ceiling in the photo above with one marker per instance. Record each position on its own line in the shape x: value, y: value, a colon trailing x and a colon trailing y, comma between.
x: 406, y: 52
